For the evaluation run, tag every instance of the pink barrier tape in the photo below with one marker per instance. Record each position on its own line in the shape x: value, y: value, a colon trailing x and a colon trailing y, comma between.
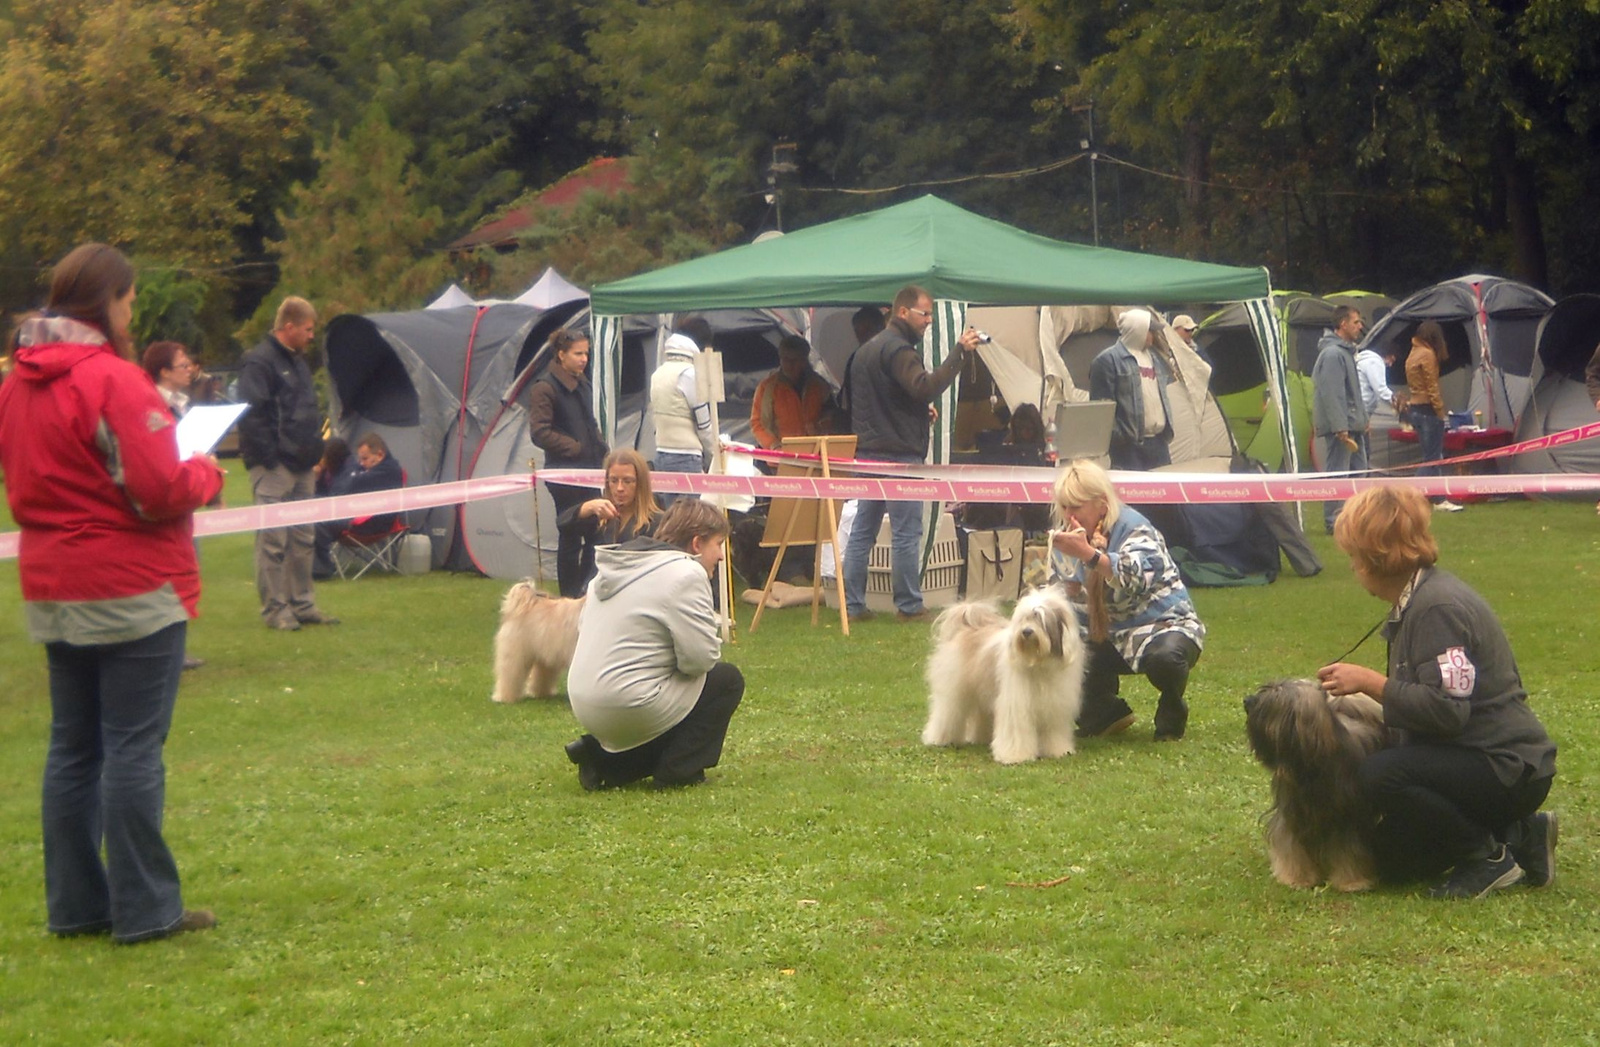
x: 343, y: 507
x: 1165, y: 488
x: 1566, y: 436
x: 1170, y: 488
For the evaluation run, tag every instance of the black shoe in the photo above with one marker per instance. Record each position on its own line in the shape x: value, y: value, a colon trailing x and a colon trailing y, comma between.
x: 588, y: 773
x: 1117, y: 719
x: 1536, y: 852
x: 1476, y: 878
x: 1172, y: 718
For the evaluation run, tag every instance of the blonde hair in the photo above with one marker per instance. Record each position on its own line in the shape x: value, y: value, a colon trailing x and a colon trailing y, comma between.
x: 1385, y: 531
x: 293, y: 310
x: 644, y: 508
x: 1080, y: 482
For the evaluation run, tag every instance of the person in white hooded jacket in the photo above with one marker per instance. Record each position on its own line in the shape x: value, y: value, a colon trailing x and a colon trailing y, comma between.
x: 684, y: 440
x: 646, y: 682
x: 1134, y: 374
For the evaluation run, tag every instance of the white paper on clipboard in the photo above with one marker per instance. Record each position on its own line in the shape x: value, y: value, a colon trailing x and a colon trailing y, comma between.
x: 202, y: 427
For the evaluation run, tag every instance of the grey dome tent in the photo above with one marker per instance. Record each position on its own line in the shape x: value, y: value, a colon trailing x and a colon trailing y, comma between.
x: 1559, y: 399
x: 428, y: 381
x: 1490, y: 325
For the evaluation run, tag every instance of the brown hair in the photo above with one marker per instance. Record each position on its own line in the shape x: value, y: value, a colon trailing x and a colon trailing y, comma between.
x: 374, y: 442
x: 1432, y: 335
x: 85, y: 283
x: 908, y: 298
x: 158, y: 356
x: 563, y: 338
x: 689, y: 518
x: 1385, y: 531
x: 645, y: 507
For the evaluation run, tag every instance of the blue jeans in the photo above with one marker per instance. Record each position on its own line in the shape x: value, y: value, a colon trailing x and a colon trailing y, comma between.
x: 1337, y: 458
x: 105, y: 784
x: 1430, y: 437
x: 673, y: 462
x: 905, y: 550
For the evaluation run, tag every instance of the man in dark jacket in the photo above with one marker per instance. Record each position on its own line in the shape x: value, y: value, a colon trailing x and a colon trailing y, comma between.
x: 891, y: 398
x: 375, y: 469
x: 280, y: 439
x: 1338, y: 413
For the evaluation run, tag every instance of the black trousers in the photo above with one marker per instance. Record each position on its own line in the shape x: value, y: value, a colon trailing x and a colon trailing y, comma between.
x: 680, y: 756
x: 1150, y: 453
x: 574, y: 551
x: 1440, y: 805
x: 1168, y: 657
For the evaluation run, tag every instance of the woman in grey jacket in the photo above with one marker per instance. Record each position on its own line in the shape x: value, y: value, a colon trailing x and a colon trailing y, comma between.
x: 645, y: 680
x: 1463, y: 790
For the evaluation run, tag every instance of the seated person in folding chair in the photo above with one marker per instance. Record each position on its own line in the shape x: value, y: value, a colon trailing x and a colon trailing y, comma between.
x: 377, y: 471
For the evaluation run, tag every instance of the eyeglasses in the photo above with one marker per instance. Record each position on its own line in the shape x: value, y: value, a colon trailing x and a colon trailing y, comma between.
x: 921, y: 312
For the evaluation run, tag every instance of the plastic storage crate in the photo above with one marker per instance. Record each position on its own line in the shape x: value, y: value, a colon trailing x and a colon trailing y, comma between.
x: 941, y: 579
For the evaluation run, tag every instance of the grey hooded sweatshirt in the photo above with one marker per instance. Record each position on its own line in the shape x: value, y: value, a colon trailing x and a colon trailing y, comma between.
x: 646, y: 640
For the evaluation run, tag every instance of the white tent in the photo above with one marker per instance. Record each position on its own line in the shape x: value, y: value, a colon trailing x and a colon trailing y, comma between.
x: 549, y: 291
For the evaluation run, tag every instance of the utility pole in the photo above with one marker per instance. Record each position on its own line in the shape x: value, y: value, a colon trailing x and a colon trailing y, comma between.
x: 782, y: 164
x: 1087, y: 145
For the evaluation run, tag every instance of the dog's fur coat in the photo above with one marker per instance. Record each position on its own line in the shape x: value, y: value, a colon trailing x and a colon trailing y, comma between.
x: 1014, y: 685
x: 532, y: 650
x: 1318, y: 830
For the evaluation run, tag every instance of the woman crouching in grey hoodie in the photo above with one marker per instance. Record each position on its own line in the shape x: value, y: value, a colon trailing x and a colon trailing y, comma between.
x: 645, y: 681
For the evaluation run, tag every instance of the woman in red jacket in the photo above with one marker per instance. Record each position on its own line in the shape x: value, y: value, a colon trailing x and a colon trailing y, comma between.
x: 109, y: 582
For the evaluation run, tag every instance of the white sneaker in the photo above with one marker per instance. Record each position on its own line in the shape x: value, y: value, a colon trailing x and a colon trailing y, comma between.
x: 1447, y: 506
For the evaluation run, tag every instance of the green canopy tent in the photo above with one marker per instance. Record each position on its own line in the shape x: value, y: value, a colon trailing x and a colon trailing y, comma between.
x: 961, y: 258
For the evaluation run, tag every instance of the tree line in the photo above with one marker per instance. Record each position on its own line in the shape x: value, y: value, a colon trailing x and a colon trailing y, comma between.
x: 240, y: 150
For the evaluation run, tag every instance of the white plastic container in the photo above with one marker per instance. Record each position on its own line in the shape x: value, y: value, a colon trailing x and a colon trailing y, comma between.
x: 416, y: 554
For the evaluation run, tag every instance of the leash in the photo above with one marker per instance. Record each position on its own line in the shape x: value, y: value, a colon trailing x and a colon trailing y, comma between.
x: 1364, y: 639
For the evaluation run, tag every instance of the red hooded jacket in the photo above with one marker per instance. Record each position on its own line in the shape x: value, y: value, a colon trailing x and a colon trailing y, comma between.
x: 92, y: 474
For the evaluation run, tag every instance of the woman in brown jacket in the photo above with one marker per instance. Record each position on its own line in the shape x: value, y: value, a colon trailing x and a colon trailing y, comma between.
x: 1425, y: 411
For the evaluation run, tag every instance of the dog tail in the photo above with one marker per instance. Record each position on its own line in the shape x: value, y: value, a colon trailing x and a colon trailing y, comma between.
x: 963, y: 617
x: 520, y: 597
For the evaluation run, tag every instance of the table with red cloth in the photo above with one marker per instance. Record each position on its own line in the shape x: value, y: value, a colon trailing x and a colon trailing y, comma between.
x: 1459, y: 442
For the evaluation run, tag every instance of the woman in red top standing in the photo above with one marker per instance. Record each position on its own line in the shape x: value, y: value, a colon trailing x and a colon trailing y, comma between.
x: 109, y: 582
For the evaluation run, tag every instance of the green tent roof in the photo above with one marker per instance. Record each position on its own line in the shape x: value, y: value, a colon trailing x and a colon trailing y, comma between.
x: 955, y: 254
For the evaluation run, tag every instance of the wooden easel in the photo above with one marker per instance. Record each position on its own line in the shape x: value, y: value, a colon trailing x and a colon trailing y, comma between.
x: 808, y: 521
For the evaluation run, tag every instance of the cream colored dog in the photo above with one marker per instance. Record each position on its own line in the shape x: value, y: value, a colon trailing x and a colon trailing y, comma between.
x: 1014, y: 685
x: 532, y: 650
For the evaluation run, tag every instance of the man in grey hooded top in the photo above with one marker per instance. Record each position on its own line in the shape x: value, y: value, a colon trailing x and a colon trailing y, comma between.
x: 1337, y: 412
x: 1133, y: 374
x: 645, y: 680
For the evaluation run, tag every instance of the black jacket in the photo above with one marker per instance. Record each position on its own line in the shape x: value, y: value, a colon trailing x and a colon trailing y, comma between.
x: 889, y: 393
x: 561, y: 421
x: 1454, y: 681
x: 284, y: 423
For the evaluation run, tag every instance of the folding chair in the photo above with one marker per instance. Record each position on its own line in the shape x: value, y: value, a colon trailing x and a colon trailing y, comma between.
x: 355, y: 553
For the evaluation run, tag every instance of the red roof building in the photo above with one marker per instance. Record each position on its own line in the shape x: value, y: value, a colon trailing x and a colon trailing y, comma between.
x: 606, y: 175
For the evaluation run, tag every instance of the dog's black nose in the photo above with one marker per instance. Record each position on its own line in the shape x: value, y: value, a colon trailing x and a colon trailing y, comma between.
x: 1249, y: 703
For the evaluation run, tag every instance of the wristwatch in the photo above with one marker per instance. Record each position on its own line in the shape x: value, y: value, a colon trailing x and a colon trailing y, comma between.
x: 1094, y: 561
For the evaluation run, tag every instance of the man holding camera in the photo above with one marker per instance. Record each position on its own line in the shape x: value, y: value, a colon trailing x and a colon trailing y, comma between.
x: 891, y: 397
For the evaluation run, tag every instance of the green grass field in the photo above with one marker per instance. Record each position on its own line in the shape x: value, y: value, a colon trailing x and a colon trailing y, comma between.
x: 395, y: 859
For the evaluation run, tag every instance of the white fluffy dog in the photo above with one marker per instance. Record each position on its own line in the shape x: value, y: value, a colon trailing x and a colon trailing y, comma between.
x: 532, y: 650
x: 1012, y: 685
